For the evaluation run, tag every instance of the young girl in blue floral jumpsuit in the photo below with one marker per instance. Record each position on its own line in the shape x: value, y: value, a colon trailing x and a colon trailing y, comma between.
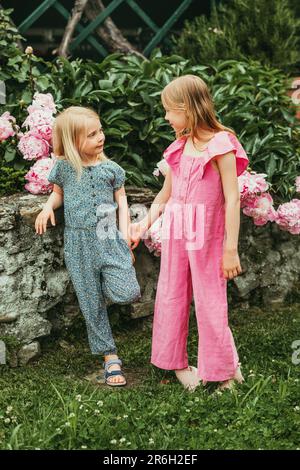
x: 97, y: 253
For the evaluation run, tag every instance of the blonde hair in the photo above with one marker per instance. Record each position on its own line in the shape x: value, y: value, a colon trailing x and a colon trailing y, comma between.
x: 69, y: 135
x: 190, y: 94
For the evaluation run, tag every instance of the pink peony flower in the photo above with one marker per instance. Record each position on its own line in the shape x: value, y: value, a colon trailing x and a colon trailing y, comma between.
x: 37, y: 176
x: 32, y: 146
x: 39, y: 118
x: 261, y: 209
x: 6, y: 126
x: 288, y: 216
x: 42, y: 101
x: 251, y: 184
x: 298, y: 184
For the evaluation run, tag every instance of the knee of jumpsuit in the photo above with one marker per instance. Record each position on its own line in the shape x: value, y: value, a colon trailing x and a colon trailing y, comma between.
x: 119, y: 281
x: 124, y: 292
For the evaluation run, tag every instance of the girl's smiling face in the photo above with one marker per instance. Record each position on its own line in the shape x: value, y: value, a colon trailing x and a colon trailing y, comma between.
x: 94, y: 140
x: 176, y: 118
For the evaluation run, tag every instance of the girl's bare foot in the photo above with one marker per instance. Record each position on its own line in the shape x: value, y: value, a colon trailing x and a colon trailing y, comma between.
x: 188, y: 377
x: 229, y: 384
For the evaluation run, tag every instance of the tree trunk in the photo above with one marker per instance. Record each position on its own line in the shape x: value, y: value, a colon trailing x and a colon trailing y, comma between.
x: 108, y: 31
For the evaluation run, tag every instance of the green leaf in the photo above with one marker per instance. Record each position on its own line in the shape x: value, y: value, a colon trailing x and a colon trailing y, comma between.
x: 10, y: 154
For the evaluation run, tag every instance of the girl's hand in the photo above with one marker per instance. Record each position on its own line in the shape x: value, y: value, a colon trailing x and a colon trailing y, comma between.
x: 129, y: 245
x: 136, y: 232
x: 42, y: 219
x: 132, y: 257
x: 231, y: 264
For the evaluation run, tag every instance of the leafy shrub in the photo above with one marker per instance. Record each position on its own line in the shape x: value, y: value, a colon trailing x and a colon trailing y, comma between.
x: 9, y: 49
x: 263, y: 30
x: 249, y: 97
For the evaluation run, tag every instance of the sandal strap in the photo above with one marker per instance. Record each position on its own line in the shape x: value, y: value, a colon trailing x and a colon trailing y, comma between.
x: 111, y: 362
x: 113, y: 373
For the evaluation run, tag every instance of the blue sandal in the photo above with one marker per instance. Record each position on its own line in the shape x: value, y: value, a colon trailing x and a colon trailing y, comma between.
x: 113, y: 373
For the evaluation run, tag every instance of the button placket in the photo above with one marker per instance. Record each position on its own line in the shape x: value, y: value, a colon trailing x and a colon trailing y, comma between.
x: 186, y: 177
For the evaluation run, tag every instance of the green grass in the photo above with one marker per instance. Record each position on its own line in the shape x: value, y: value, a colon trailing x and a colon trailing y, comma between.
x: 40, y: 407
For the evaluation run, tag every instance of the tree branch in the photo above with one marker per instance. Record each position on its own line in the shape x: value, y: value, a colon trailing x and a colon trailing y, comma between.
x: 76, y: 14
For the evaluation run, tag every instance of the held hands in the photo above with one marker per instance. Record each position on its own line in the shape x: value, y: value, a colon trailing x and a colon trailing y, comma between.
x: 42, y: 219
x: 136, y: 232
x: 231, y: 266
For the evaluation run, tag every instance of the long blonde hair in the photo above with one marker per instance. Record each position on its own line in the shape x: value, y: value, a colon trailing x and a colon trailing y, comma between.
x: 69, y: 134
x: 190, y: 94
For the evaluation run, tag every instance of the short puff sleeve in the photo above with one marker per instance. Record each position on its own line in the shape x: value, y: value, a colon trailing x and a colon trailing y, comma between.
x: 119, y: 177
x: 56, y: 174
x: 224, y: 142
x: 172, y: 154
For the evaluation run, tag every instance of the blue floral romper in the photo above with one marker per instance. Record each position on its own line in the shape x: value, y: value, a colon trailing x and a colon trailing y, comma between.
x: 97, y: 256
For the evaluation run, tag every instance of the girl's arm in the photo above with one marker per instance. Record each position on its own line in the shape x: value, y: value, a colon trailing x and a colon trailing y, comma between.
x: 227, y: 167
x: 156, y: 209
x: 54, y: 201
x: 124, y: 216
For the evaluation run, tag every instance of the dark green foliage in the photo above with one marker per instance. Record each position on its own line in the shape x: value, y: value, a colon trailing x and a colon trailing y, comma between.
x: 263, y: 30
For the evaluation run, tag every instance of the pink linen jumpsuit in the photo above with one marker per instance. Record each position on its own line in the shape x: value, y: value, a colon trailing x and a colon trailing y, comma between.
x: 193, y: 234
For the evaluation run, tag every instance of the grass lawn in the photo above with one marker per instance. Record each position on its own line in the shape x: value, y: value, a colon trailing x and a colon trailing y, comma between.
x: 50, y: 404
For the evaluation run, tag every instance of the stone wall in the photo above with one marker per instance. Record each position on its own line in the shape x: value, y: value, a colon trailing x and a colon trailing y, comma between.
x: 37, y: 297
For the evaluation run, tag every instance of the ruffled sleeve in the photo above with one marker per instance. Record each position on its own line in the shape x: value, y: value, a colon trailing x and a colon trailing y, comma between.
x: 119, y: 177
x: 172, y: 154
x: 56, y: 175
x: 225, y: 142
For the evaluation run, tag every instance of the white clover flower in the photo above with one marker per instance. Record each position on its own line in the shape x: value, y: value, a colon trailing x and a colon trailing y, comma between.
x: 81, y: 406
x: 78, y: 398
x: 72, y: 415
x: 7, y: 420
x: 113, y: 441
x: 84, y: 447
x: 100, y: 403
x: 97, y: 412
x: 151, y: 441
x: 297, y: 408
x: 125, y: 416
x: 67, y: 424
x: 122, y: 439
x: 9, y: 409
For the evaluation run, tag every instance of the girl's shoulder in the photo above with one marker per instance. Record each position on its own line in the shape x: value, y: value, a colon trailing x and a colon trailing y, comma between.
x: 119, y: 174
x: 57, y: 173
x: 172, y: 153
x: 225, y: 142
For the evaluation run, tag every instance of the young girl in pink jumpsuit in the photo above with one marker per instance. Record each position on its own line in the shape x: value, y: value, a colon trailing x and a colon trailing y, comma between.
x: 201, y: 205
